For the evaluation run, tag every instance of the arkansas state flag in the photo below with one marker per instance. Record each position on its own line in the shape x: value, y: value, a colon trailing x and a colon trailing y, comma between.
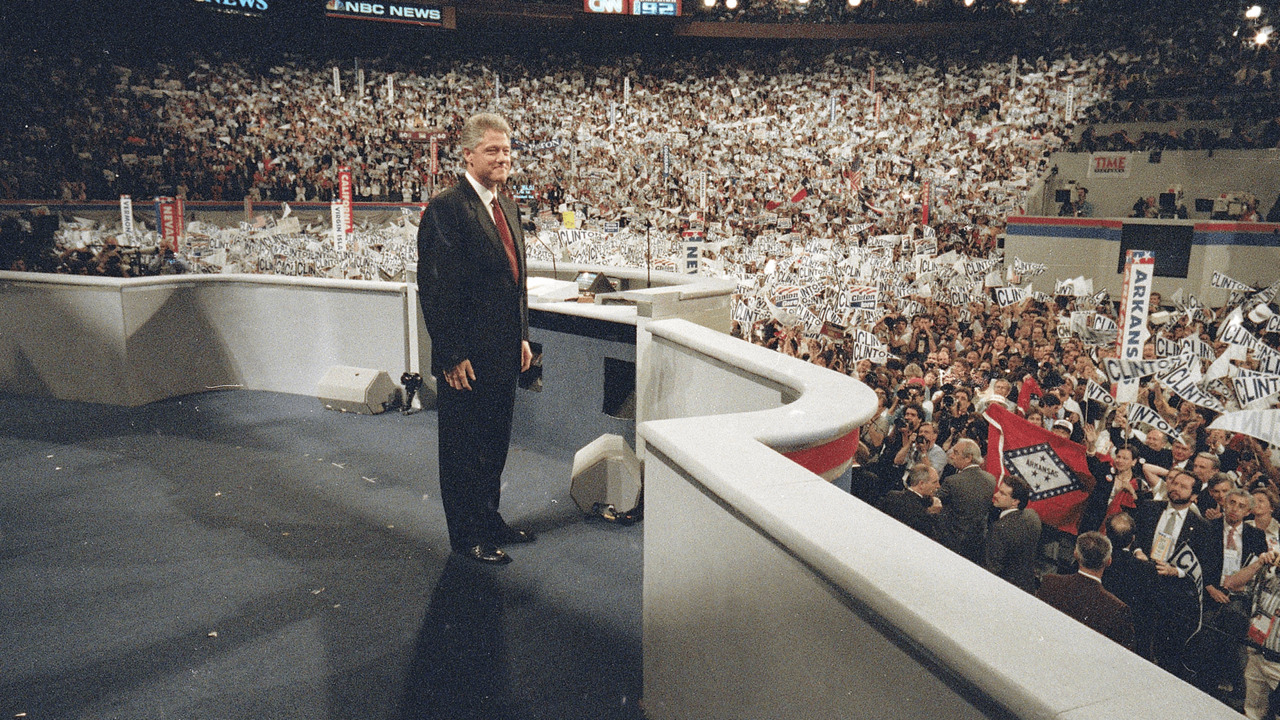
x: 1054, y: 467
x: 1029, y: 391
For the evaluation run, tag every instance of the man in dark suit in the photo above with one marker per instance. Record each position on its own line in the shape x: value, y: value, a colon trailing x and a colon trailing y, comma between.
x: 1166, y: 530
x: 1014, y: 538
x: 966, y: 501
x: 1130, y: 577
x: 1082, y: 596
x: 471, y: 276
x: 916, y: 507
x: 1230, y: 546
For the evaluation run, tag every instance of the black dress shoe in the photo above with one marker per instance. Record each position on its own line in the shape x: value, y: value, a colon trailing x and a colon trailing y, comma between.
x: 486, y: 553
x: 511, y: 536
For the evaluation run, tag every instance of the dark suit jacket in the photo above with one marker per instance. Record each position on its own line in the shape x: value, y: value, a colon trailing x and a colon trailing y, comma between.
x: 966, y: 500
x: 1086, y: 600
x: 910, y: 509
x: 1252, y: 540
x: 1013, y: 542
x: 1195, y: 533
x: 1130, y: 579
x: 473, y: 308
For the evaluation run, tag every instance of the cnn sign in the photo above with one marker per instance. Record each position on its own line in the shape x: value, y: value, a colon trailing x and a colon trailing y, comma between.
x: 614, y: 7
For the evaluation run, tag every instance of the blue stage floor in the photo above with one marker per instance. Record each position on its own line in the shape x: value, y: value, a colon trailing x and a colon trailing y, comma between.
x: 251, y: 555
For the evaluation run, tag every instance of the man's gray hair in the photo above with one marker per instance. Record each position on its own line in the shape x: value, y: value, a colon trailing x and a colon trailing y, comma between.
x: 969, y: 448
x: 1240, y: 493
x: 919, y: 473
x: 1093, y: 549
x: 477, y: 125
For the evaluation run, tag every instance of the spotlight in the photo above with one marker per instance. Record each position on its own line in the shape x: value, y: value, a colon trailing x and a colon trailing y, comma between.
x: 1263, y: 35
x: 1254, y: 12
x: 855, y: 3
x: 708, y: 3
x: 803, y: 2
x: 968, y: 3
x: 731, y: 4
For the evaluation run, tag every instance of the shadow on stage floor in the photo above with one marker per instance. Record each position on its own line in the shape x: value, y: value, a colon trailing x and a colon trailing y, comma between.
x: 251, y: 555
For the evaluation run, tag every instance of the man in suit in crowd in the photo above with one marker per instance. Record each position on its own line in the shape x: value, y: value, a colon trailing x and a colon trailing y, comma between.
x: 471, y: 276
x: 1130, y: 577
x: 1082, y: 595
x: 1166, y: 531
x: 1230, y: 546
x: 1014, y: 538
x: 916, y: 507
x: 966, y: 501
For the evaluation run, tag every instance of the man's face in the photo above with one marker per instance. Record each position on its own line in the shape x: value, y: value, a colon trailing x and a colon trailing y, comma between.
x: 929, y: 488
x: 1003, y: 387
x: 1219, y: 491
x: 1180, y: 452
x: 911, y: 417
x: 1155, y: 440
x: 490, y: 161
x: 1202, y: 468
x: 1003, y: 498
x: 929, y: 432
x: 1180, y: 488
x: 1234, y: 508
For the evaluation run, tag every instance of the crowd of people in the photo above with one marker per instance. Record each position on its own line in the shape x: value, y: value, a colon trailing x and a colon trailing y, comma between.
x: 922, y: 458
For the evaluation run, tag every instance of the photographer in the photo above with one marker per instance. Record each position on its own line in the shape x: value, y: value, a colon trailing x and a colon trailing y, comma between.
x: 920, y: 446
x: 955, y: 410
x: 899, y: 439
x: 1260, y: 581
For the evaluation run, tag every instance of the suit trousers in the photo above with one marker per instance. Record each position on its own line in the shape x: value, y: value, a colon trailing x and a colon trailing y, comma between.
x: 474, y: 433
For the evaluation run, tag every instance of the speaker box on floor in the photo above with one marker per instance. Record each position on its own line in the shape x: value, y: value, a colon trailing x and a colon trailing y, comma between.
x: 358, y: 390
x: 606, y: 473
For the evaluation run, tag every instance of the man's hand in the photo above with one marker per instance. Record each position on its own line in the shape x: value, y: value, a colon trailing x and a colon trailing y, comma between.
x: 935, y: 507
x: 1212, y: 514
x: 460, y: 376
x: 1218, y: 596
x: 526, y: 355
x: 1166, y: 569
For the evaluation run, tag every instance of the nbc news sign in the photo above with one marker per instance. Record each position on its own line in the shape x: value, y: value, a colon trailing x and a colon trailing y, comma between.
x: 401, y: 12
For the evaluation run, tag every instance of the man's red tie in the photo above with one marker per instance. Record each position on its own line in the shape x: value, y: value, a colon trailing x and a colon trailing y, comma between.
x: 504, y: 232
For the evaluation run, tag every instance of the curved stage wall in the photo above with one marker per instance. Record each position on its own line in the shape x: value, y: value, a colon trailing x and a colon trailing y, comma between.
x: 768, y: 592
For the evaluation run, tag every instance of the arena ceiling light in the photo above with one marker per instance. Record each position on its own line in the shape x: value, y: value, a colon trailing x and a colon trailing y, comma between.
x: 968, y: 3
x: 1253, y: 13
x: 708, y: 3
x: 855, y: 3
x: 731, y: 4
x: 1263, y: 35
